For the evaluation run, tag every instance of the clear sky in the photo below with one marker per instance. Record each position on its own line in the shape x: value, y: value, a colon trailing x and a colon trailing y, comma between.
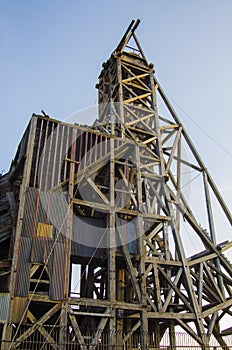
x: 52, y: 51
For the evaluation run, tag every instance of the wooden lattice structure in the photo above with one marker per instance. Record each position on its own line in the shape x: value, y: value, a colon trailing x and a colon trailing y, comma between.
x: 103, y: 207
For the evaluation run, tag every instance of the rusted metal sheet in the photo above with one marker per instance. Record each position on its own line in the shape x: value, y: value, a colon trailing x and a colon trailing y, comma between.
x: 41, y: 247
x: 4, y: 305
x: 30, y: 212
x: 57, y: 275
x: 5, y: 215
x: 53, y: 210
x: 24, y: 264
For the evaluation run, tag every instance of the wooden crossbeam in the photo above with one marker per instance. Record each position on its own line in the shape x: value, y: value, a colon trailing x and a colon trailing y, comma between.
x: 98, y: 191
x: 217, y: 308
x: 169, y: 296
x: 78, y: 332
x: 177, y: 138
x: 133, y: 75
x: 176, y: 290
x: 37, y: 324
x: 189, y: 330
x: 127, y: 185
x: 212, y: 280
x: 140, y: 119
x: 100, y: 329
x: 42, y: 330
x: 133, y: 329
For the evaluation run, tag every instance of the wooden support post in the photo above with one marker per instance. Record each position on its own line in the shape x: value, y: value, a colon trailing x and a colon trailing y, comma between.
x: 111, y: 252
x: 45, y: 333
x: 7, y: 330
x: 77, y: 332
x: 172, y: 335
x: 120, y: 96
x: 63, y: 327
x: 212, y: 227
x: 68, y: 237
x: 36, y: 325
x: 6, y: 337
x: 142, y: 270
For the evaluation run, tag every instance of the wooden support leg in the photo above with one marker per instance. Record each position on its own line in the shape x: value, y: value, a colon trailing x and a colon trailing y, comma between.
x: 6, y: 336
x: 43, y: 331
x: 63, y: 328
x: 172, y: 336
x: 111, y: 332
x: 144, y: 331
x: 111, y: 254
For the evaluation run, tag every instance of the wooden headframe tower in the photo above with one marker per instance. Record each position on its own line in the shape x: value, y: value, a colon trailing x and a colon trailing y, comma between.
x: 95, y: 227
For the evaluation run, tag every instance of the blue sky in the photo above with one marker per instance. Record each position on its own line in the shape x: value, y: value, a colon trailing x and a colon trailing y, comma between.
x: 52, y: 51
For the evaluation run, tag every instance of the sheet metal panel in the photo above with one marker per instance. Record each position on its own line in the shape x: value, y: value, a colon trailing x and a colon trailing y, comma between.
x: 41, y: 248
x: 89, y: 236
x: 53, y: 210
x: 30, y: 211
x: 58, y: 271
x: 24, y: 265
x: 4, y: 305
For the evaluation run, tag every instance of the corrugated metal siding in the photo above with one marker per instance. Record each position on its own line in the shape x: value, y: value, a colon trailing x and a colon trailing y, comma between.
x: 24, y: 265
x: 58, y: 270
x: 5, y: 217
x: 48, y: 208
x: 40, y: 249
x: 55, y: 207
x: 29, y: 215
x: 44, y: 207
x: 4, y: 305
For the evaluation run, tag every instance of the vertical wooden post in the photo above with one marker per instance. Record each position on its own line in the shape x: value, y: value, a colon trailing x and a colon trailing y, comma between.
x: 172, y: 335
x: 120, y: 96
x: 7, y: 330
x: 143, y: 284
x: 111, y: 251
x: 68, y: 238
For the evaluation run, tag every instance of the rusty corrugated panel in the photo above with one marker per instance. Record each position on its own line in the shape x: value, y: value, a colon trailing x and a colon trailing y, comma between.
x: 4, y: 305
x: 49, y: 208
x: 5, y: 216
x: 24, y: 265
x: 41, y: 248
x: 57, y: 207
x: 20, y: 304
x: 29, y: 212
x: 57, y: 276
